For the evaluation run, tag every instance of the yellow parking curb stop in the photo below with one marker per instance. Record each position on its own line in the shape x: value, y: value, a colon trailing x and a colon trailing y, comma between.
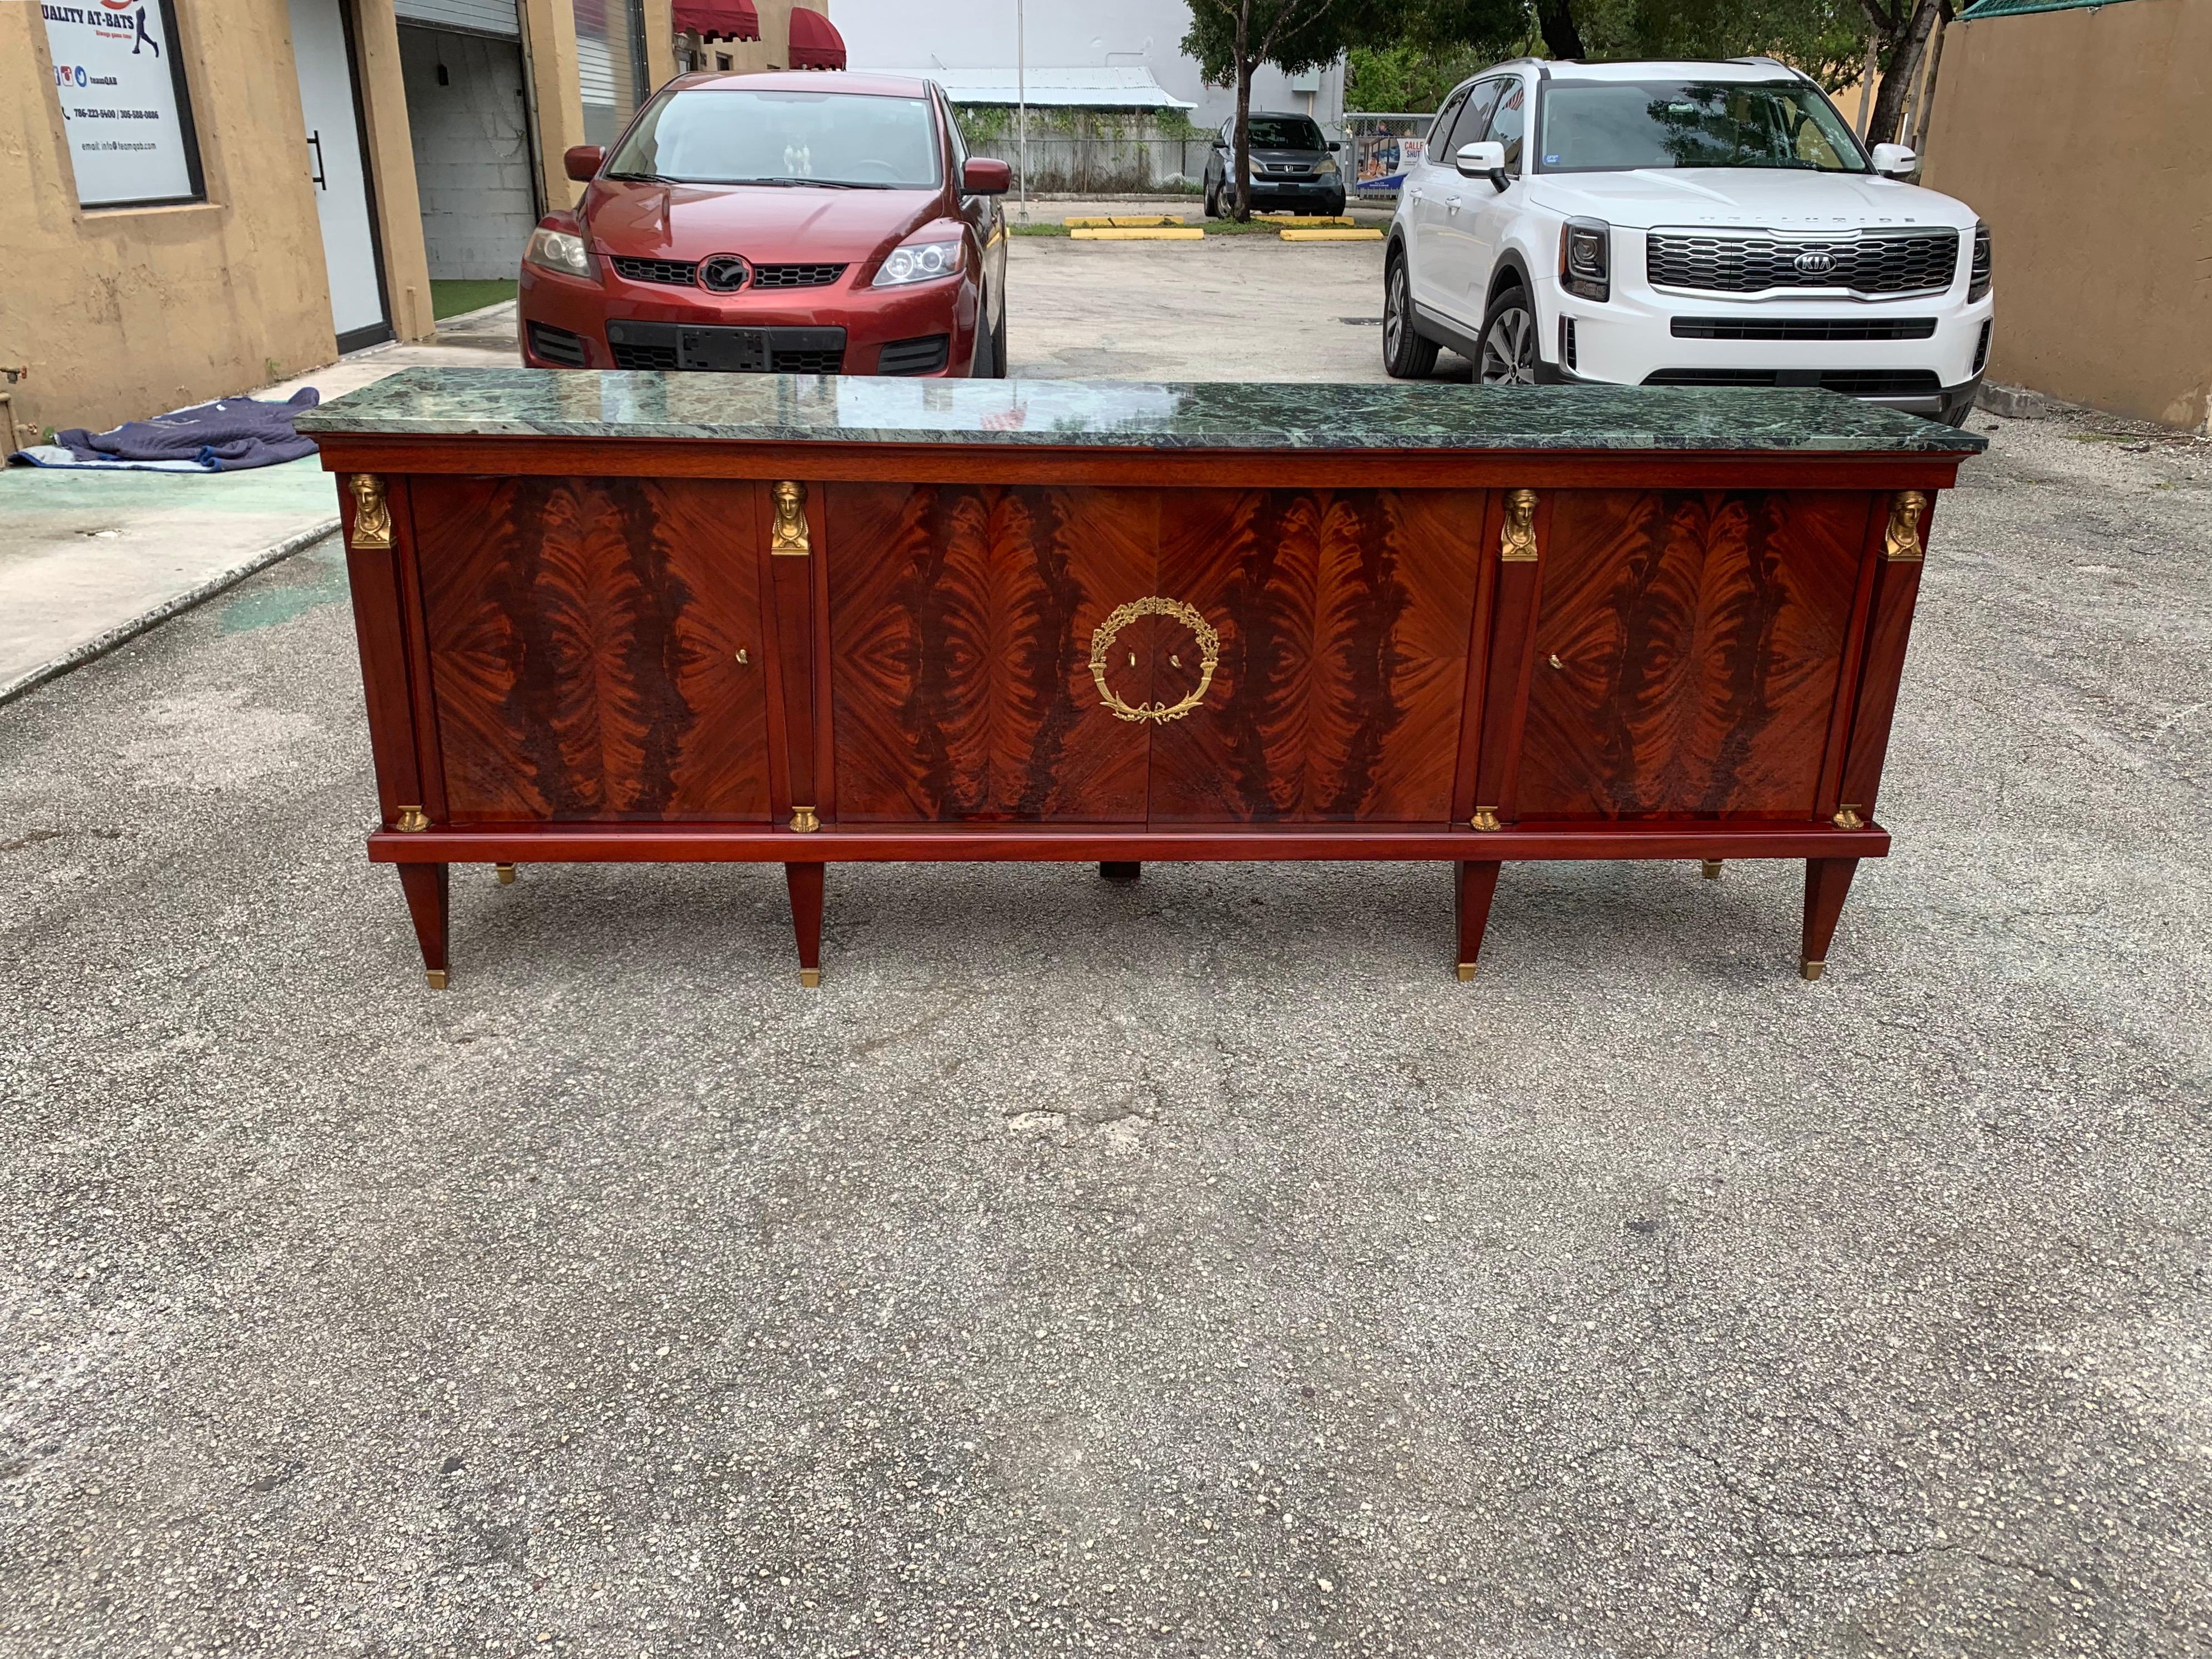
x: 1330, y: 235
x: 1161, y: 234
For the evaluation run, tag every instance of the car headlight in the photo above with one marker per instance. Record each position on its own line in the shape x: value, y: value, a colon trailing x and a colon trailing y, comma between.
x: 557, y: 250
x: 1977, y: 272
x: 1586, y: 258
x: 1326, y: 170
x: 920, y: 260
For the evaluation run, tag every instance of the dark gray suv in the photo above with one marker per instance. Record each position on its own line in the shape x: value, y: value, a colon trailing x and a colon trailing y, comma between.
x: 1293, y: 167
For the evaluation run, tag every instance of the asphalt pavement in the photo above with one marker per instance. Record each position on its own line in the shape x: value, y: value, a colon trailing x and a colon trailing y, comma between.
x: 1187, y: 1267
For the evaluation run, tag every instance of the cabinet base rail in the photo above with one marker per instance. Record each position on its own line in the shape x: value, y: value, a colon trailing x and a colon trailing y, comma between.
x: 424, y: 856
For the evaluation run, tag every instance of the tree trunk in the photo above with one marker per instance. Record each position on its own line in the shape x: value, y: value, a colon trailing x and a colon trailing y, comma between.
x: 1926, y: 112
x: 1561, y: 38
x: 1242, y: 158
x: 1901, y: 62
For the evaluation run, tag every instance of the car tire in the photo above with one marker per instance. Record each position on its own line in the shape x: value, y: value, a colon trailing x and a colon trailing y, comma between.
x: 990, y: 359
x: 1213, y: 201
x: 1336, y: 208
x: 1508, y: 354
x: 1407, y: 355
x: 999, y: 348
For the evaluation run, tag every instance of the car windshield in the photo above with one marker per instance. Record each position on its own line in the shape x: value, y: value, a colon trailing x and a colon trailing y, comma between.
x: 707, y: 135
x: 1610, y: 127
x: 1283, y: 133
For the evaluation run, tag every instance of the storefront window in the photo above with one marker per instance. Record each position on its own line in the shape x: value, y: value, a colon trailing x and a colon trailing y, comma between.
x: 124, y: 103
x: 611, y: 65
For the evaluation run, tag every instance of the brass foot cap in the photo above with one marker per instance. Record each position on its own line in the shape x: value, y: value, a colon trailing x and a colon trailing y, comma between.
x: 1812, y: 970
x: 1713, y: 867
x: 436, y: 976
x: 505, y: 874
x: 1466, y: 972
x: 809, y: 978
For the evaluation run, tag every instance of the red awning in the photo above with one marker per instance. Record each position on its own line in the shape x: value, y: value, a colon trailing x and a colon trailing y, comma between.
x: 815, y: 42
x: 718, y: 20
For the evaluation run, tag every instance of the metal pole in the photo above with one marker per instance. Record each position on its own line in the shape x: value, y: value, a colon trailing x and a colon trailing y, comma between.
x: 1022, y: 100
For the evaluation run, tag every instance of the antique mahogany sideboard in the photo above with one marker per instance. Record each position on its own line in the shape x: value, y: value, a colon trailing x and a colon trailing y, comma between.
x: 808, y: 620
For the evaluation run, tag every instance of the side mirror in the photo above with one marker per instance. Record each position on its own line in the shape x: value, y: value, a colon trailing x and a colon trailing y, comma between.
x: 1483, y: 160
x: 583, y: 162
x: 1895, y: 161
x: 1335, y: 145
x: 984, y: 176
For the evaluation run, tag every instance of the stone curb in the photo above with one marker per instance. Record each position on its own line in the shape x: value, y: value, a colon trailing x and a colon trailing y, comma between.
x: 123, y: 633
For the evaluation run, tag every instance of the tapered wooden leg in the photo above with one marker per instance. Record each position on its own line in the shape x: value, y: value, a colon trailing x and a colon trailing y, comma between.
x: 425, y: 887
x: 805, y: 881
x: 1478, y: 883
x: 1120, y: 872
x: 1826, y: 881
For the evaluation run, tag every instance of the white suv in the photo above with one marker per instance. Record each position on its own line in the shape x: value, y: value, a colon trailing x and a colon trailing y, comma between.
x: 1681, y: 224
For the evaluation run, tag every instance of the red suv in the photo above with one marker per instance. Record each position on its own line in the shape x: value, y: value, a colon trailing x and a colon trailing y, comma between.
x: 803, y: 223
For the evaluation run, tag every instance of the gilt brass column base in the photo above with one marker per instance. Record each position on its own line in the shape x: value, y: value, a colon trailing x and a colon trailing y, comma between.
x: 505, y: 874
x: 436, y: 976
x: 809, y: 978
x: 1811, y: 969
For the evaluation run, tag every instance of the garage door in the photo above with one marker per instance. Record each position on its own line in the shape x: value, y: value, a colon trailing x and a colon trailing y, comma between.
x: 477, y: 16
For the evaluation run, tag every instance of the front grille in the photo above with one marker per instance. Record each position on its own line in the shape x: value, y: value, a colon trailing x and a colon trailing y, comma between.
x: 630, y: 356
x: 1914, y: 263
x: 1851, y: 382
x: 1882, y: 382
x: 1567, y: 343
x: 796, y: 275
x: 556, y: 346
x: 727, y: 351
x: 922, y: 356
x: 1803, y: 328
x: 679, y: 272
x: 1982, y: 349
x: 801, y: 361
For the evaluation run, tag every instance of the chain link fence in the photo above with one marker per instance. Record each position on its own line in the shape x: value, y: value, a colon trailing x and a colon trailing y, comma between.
x: 1087, y: 152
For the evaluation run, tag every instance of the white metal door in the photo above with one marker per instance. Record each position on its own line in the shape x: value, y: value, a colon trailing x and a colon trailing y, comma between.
x: 336, y: 162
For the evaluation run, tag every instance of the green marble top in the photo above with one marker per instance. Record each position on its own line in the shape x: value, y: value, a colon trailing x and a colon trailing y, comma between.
x: 1121, y: 414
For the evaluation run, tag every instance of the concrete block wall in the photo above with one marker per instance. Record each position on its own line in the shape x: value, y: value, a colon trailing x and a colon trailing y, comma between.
x: 471, y: 144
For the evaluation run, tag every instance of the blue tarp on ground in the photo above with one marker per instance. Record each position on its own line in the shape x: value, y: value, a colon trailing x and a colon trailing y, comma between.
x: 229, y: 436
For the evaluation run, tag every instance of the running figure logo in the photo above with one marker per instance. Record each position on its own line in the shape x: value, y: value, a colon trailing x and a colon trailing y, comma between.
x: 144, y: 39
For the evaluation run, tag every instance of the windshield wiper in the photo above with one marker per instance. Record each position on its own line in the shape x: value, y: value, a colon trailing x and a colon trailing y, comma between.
x: 812, y: 183
x: 642, y: 177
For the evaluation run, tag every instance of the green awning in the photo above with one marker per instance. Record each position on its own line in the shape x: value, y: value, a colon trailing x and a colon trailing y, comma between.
x: 1981, y: 8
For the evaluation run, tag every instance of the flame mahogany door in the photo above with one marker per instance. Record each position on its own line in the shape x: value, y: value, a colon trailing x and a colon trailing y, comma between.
x: 961, y: 619
x: 585, y: 638
x: 1691, y: 651
x: 1345, y: 619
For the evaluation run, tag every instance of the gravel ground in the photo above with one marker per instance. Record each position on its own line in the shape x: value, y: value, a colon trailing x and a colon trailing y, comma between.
x: 1188, y: 1269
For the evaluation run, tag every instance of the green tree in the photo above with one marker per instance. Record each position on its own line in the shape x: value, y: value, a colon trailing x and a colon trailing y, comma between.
x: 1901, y: 31
x: 1231, y: 38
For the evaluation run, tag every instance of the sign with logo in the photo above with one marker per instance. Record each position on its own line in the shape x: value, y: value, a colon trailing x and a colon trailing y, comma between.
x: 123, y: 101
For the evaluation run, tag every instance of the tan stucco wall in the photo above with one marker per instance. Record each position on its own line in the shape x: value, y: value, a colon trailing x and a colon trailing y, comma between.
x: 2082, y: 138
x: 549, y: 39
x: 127, y: 312
x: 392, y: 169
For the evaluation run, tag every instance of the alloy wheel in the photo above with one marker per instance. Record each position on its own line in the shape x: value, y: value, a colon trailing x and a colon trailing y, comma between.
x: 1509, y: 349
x: 1394, y: 313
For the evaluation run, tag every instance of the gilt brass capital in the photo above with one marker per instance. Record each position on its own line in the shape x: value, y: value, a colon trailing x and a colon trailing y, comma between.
x: 787, y: 538
x: 1902, y: 544
x: 1517, y: 545
x: 372, y: 517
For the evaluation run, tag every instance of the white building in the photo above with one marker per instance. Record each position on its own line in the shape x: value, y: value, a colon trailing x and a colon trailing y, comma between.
x: 968, y: 48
